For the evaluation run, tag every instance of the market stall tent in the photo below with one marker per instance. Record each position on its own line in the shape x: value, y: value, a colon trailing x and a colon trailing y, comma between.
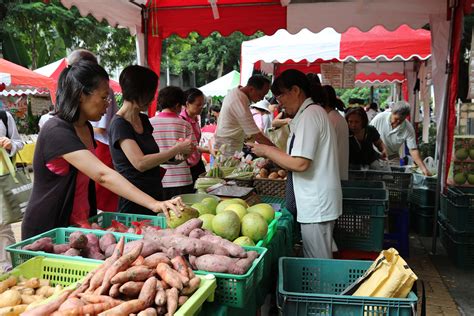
x: 54, y: 69
x: 17, y: 80
x: 222, y: 85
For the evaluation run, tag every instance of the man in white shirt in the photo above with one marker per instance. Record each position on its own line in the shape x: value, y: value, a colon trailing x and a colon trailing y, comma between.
x: 235, y: 121
x: 395, y: 130
x: 312, y: 160
x: 9, y: 140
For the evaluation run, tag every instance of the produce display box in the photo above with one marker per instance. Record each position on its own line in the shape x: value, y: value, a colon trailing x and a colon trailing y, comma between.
x: 421, y: 219
x: 461, y: 196
x: 423, y: 197
x: 59, y: 236
x: 361, y: 225
x: 270, y: 187
x: 104, y: 219
x: 273, y: 200
x: 461, y: 217
x: 363, y: 184
x: 422, y: 181
x: 234, y: 290
x: 57, y: 271
x: 393, y: 180
x: 313, y: 287
x: 398, y: 198
x: 191, y: 198
x: 458, y: 245
x: 204, y: 293
x: 272, y: 228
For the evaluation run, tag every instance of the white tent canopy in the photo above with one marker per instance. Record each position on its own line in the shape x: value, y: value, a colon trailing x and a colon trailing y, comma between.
x: 222, y: 85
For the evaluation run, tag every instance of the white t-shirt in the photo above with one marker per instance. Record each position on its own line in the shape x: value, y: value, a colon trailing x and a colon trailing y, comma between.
x: 44, y: 118
x: 342, y: 135
x: 235, y: 122
x: 393, y: 138
x: 371, y: 113
x: 318, y: 189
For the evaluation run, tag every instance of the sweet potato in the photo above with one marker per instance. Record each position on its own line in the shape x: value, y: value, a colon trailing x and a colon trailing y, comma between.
x: 121, y: 264
x: 115, y: 290
x: 191, y: 273
x: 43, y: 244
x: 153, y: 260
x: 172, y: 301
x: 48, y: 309
x: 160, y: 297
x: 131, y: 289
x: 78, y: 240
x: 139, y: 273
x: 233, y: 249
x: 94, y: 299
x: 91, y: 309
x: 8, y: 283
x: 84, y: 285
x: 148, y: 292
x: 10, y: 298
x: 92, y: 250
x: 45, y: 291
x: 161, y: 310
x: 246, y: 263
x: 180, y: 265
x: 71, y: 302
x: 106, y: 240
x: 110, y: 250
x: 72, y: 252
x: 138, y: 262
x: 148, y: 247
x: 169, y: 276
x: 13, y: 310
x: 32, y: 283
x: 28, y: 299
x: 197, y: 233
x: 124, y: 309
x: 192, y: 287
x: 191, y: 246
x: 150, y: 311
x: 182, y: 299
x: 61, y: 248
x: 187, y: 227
x: 217, y: 263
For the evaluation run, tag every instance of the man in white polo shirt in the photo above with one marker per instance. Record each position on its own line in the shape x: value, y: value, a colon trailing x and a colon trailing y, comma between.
x: 312, y: 161
x: 235, y: 121
x: 395, y: 130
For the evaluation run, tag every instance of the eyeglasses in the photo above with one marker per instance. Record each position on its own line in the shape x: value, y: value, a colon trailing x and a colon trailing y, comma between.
x: 107, y: 99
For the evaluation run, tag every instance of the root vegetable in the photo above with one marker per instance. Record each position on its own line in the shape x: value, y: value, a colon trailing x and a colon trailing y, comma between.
x: 148, y: 292
x: 246, y: 263
x: 43, y: 244
x: 32, y: 283
x: 197, y: 233
x: 115, y: 290
x: 84, y: 285
x: 78, y: 240
x: 48, y: 309
x: 172, y: 300
x: 94, y: 299
x: 10, y: 298
x: 150, y: 311
x: 13, y: 310
x: 110, y: 250
x: 169, y: 276
x: 8, y: 283
x: 72, y: 252
x: 92, y: 250
x: 106, y: 240
x: 98, y: 278
x: 192, y: 287
x: 138, y: 262
x: 91, y: 309
x: 188, y: 226
x: 192, y: 246
x: 138, y: 273
x: 191, y: 273
x: 217, y: 263
x: 61, y: 248
x: 182, y: 299
x: 70, y: 303
x: 124, y: 309
x: 28, y: 299
x: 45, y: 291
x: 153, y: 260
x: 160, y: 297
x: 161, y: 310
x: 234, y: 249
x: 121, y: 264
x: 131, y: 289
x: 24, y: 290
x: 180, y: 265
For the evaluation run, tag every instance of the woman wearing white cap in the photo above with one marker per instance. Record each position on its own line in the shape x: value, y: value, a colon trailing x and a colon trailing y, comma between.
x: 262, y: 115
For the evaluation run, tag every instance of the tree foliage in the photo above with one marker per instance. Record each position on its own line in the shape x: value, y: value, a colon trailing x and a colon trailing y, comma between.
x: 35, y: 33
x: 381, y: 94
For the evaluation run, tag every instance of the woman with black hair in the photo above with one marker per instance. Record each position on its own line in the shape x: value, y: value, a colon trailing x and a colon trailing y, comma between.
x: 190, y: 113
x: 313, y: 183
x: 64, y: 162
x: 362, y: 139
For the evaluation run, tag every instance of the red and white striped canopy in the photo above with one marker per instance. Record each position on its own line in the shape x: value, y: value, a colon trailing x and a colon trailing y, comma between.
x: 306, y: 50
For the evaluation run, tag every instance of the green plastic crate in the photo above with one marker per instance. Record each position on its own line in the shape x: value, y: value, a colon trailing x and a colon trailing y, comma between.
x: 57, y: 271
x: 313, y: 287
x: 361, y: 225
x: 398, y: 198
x: 272, y: 228
x: 461, y: 196
x: 443, y: 205
x: 423, y: 197
x: 273, y: 200
x: 393, y: 180
x: 204, y: 293
x: 362, y: 184
x: 421, y: 219
x: 458, y: 245
x: 461, y: 217
x: 104, y: 219
x: 234, y: 290
x: 191, y: 198
x: 59, y: 236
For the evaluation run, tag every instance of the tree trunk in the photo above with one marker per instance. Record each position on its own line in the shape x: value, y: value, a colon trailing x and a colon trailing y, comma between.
x: 220, y: 70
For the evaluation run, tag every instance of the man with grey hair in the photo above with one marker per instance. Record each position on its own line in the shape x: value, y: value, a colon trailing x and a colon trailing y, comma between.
x: 106, y: 200
x: 395, y: 130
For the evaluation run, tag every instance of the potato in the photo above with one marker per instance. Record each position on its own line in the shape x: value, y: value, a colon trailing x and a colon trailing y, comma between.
x: 28, y: 299
x: 263, y: 173
x: 45, y: 291
x: 10, y: 298
x: 273, y: 176
x: 13, y: 310
x: 282, y: 173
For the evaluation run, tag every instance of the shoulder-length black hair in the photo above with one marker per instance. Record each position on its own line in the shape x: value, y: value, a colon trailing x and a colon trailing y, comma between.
x: 290, y: 78
x: 83, y: 77
x: 138, y: 84
x: 359, y: 111
x: 170, y: 97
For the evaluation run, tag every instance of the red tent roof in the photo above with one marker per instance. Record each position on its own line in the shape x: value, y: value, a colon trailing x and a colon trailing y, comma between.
x: 17, y: 76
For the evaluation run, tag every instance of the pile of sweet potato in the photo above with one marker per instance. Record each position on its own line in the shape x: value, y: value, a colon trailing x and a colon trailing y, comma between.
x: 80, y: 244
x: 127, y: 284
x: 18, y: 293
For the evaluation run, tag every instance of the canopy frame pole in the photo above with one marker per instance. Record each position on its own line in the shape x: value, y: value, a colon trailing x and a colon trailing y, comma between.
x: 440, y: 185
x: 145, y: 13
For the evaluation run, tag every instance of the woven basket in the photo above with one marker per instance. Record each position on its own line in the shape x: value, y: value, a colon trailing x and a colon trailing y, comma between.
x: 270, y: 187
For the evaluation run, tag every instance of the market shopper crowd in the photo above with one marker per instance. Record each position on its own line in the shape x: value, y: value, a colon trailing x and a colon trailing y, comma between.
x: 91, y: 155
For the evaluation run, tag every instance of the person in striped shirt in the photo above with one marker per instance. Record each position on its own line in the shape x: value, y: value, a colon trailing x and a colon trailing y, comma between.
x: 168, y: 129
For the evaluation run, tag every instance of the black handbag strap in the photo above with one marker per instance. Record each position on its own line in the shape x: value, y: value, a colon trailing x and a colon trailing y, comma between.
x: 423, y: 297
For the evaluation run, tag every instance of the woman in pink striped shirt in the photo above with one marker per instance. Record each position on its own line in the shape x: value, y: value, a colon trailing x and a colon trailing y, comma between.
x: 168, y: 129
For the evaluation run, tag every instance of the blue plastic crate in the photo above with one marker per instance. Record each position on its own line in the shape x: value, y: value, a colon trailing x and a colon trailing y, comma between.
x: 313, y: 287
